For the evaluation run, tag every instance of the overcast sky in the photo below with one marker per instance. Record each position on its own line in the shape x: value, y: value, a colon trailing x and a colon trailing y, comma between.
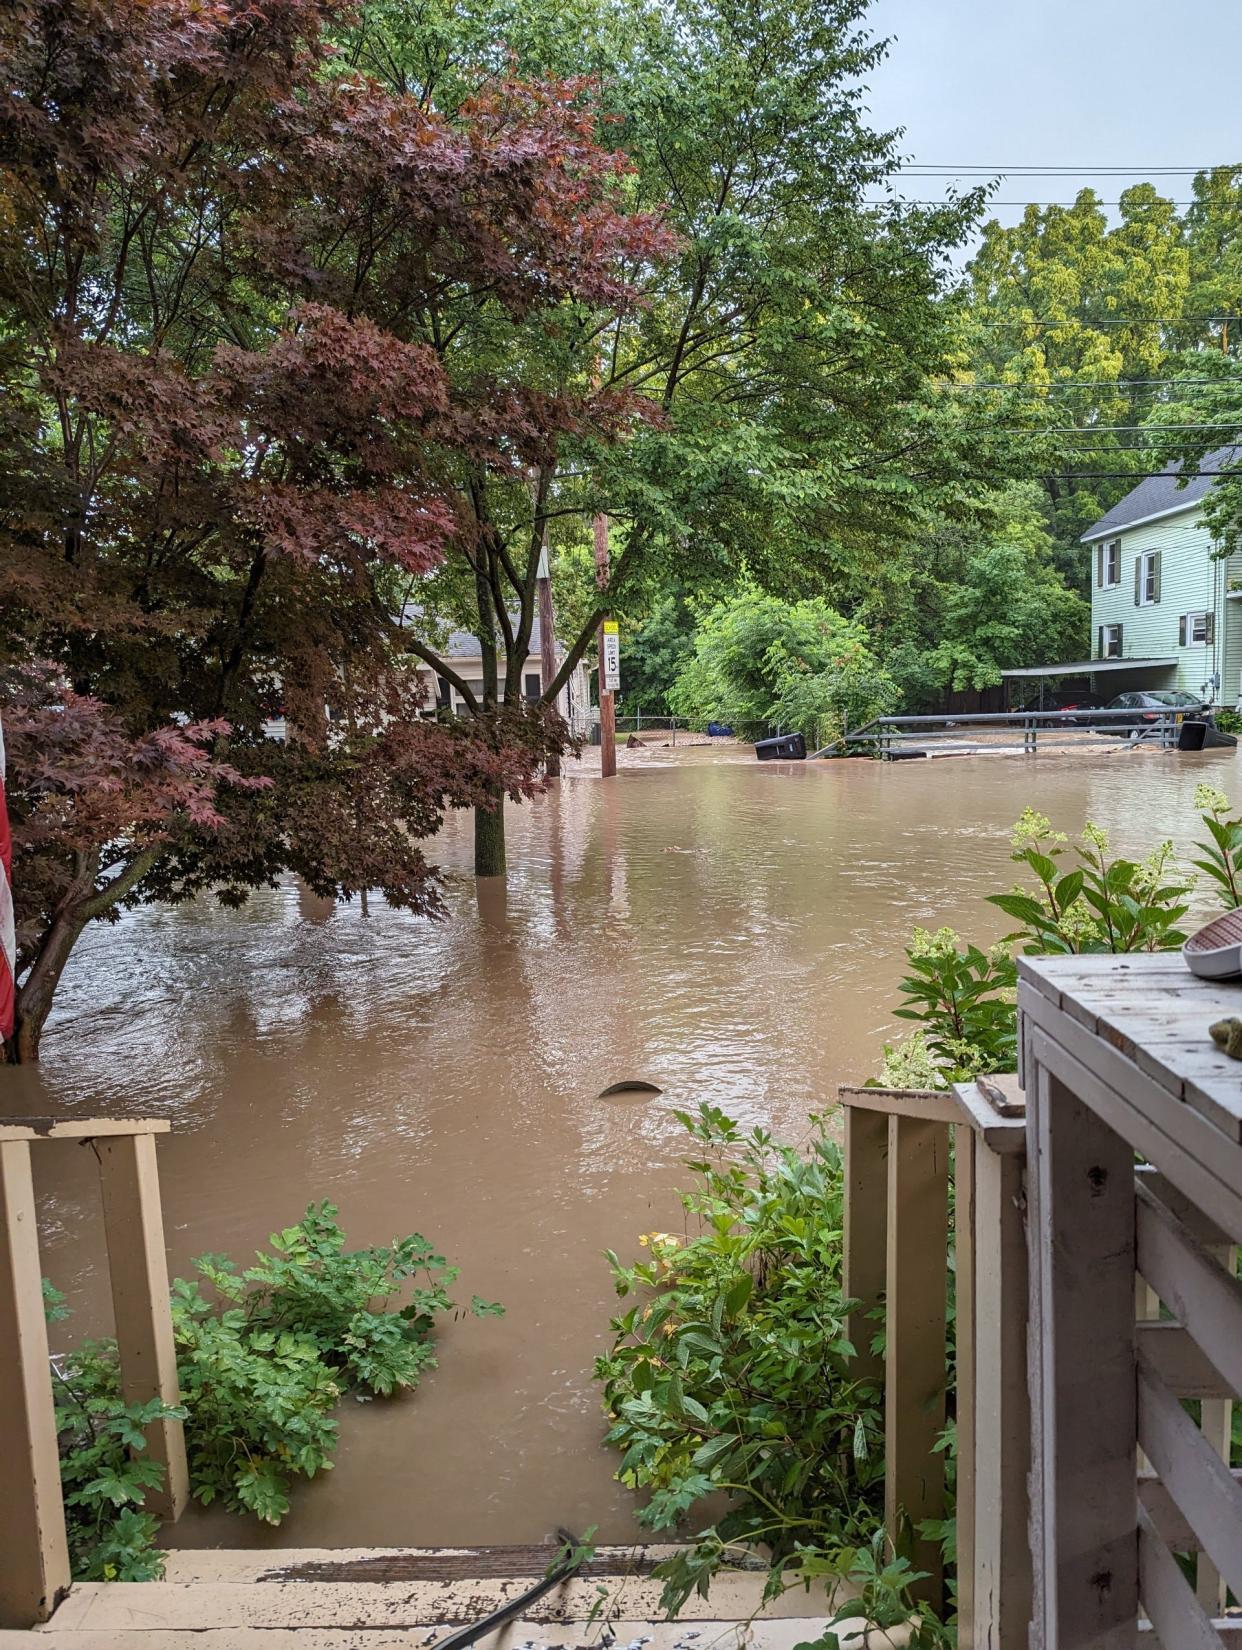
x: 1071, y: 83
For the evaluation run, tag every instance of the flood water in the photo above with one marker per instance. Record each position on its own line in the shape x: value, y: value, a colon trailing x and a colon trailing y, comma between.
x: 725, y: 930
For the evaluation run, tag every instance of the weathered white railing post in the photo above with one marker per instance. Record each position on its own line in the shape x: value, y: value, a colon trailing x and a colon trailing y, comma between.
x: 896, y: 1251
x: 993, y: 1409
x: 34, y: 1559
x: 34, y: 1556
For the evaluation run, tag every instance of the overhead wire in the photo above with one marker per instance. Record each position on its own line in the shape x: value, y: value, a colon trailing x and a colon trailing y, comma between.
x: 1076, y: 384
x: 1060, y: 169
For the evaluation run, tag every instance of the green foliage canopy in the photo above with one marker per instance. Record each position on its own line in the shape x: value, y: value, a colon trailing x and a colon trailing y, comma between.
x: 760, y: 662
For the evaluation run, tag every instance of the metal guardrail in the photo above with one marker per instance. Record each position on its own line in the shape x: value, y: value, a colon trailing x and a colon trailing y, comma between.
x: 894, y: 737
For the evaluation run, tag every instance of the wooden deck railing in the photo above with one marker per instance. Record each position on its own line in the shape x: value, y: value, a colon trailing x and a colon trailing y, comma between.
x: 1118, y: 1062
x: 34, y: 1559
x: 1133, y: 1313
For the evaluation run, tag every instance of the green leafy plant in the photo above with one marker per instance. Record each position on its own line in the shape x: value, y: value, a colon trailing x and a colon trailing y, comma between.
x: 104, y: 1469
x: 963, y: 1000
x: 1103, y: 903
x: 307, y: 1322
x: 1222, y: 856
x: 259, y: 1406
x: 263, y: 1358
x: 730, y: 1376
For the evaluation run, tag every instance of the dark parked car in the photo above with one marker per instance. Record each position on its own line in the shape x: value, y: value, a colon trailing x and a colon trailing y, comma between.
x: 1147, y: 705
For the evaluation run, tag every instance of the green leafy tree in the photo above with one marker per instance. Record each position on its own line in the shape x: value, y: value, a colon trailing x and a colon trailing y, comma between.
x: 777, y: 357
x: 1075, y: 314
x: 760, y: 662
x: 979, y: 598
x: 1213, y: 309
x: 654, y: 652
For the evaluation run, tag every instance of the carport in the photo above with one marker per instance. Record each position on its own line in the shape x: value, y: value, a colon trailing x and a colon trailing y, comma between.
x: 1106, y: 677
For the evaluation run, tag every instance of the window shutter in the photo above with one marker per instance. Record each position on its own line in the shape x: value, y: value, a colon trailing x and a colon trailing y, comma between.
x: 1183, y: 626
x: 1099, y: 567
x: 1155, y: 575
x: 1138, y: 580
x: 1209, y: 634
x: 1120, y: 653
x: 1099, y: 641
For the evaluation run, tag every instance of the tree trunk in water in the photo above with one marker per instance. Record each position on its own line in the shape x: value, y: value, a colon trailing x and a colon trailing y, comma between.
x: 489, y: 839
x: 34, y: 998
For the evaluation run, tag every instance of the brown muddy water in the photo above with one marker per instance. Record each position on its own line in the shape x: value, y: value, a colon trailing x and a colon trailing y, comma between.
x: 724, y: 930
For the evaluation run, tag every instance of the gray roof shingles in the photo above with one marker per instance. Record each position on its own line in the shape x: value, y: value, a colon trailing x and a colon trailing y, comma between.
x: 1157, y: 494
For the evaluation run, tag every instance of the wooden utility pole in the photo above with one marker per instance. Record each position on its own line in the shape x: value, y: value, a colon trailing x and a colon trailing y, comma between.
x: 547, y: 638
x: 607, y: 705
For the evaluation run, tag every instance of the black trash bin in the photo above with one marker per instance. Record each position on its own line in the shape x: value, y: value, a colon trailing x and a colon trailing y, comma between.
x: 786, y: 747
x: 1192, y: 736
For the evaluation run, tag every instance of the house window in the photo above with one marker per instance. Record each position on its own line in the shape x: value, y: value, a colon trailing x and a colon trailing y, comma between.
x: 1197, y: 630
x: 533, y: 689
x: 1147, y: 579
x: 1108, y: 564
x: 1110, y: 641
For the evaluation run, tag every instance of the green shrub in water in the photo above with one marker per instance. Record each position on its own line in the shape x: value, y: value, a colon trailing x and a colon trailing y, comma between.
x: 729, y: 1385
x: 263, y: 1357
x: 1078, y: 899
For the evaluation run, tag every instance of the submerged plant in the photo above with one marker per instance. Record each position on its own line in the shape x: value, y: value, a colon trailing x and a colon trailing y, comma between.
x: 105, y: 1472
x: 262, y: 1361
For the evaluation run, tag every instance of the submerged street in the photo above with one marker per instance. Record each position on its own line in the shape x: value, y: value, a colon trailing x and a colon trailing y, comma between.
x: 723, y: 930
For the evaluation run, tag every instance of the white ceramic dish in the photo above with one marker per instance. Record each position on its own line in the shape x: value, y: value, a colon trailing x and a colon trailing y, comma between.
x: 1215, y: 952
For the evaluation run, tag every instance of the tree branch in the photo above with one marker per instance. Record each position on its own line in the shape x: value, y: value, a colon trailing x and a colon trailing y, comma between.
x: 124, y: 882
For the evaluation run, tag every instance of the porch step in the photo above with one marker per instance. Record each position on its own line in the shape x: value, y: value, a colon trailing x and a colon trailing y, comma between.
x: 518, y: 1635
x: 408, y: 1599
x: 403, y: 1563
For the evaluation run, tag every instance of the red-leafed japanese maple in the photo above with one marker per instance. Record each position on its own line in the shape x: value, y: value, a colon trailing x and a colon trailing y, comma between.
x: 229, y: 439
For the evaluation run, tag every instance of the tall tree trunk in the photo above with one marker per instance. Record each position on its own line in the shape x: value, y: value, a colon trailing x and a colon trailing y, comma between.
x: 34, y: 998
x: 489, y: 839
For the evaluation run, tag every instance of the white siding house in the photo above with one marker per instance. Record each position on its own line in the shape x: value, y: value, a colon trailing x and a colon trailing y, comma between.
x: 462, y: 652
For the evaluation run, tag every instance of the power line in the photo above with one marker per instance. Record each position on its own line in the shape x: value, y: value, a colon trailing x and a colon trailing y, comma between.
x: 1148, y: 429
x: 940, y: 169
x: 1108, y: 321
x: 1089, y: 475
x: 1078, y: 384
x: 947, y: 200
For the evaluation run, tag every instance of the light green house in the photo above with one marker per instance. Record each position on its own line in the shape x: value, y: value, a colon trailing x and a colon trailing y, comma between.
x: 1163, y: 614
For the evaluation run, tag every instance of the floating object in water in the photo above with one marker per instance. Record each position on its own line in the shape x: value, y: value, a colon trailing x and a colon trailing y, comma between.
x: 785, y: 747
x: 630, y: 1088
x: 1227, y: 1035
x: 1215, y: 952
